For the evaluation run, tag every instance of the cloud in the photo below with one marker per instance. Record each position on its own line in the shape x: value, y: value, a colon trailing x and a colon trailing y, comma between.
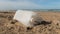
x: 19, y: 4
x: 29, y: 4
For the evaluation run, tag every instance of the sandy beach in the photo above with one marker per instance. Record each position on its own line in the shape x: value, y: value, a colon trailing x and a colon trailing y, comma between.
x: 10, y: 26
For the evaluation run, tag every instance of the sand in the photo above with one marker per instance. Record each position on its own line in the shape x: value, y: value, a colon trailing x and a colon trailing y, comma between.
x: 10, y: 26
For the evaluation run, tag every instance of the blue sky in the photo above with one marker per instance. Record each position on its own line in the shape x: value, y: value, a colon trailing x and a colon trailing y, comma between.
x: 29, y: 4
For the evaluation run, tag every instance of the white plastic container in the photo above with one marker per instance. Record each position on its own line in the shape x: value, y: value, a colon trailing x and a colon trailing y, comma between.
x: 24, y: 17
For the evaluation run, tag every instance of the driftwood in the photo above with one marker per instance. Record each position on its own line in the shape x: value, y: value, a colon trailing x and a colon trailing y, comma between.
x: 37, y: 20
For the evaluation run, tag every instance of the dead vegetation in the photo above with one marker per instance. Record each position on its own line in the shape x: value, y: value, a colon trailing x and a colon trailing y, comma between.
x: 51, y: 25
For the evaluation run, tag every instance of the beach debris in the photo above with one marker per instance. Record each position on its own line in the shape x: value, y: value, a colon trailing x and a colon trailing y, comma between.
x: 29, y: 18
x: 24, y: 17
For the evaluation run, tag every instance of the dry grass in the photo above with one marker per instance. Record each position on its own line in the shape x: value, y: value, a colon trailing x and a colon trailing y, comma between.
x: 10, y: 26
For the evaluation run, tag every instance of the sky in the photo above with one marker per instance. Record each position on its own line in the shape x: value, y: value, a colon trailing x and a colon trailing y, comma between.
x: 29, y: 4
